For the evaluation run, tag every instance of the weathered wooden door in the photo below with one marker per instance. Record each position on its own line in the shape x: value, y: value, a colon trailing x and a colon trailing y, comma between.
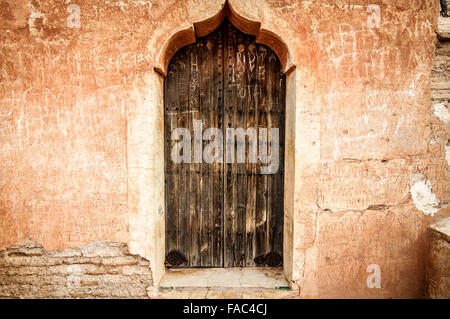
x: 224, y: 210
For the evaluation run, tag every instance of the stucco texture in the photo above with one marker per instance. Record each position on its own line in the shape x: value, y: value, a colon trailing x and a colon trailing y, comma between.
x: 81, y: 131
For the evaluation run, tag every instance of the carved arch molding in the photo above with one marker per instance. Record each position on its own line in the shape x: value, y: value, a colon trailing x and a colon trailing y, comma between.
x: 205, y: 27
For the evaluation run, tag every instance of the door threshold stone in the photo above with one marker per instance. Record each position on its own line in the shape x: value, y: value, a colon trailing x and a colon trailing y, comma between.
x: 255, y: 278
x: 228, y: 283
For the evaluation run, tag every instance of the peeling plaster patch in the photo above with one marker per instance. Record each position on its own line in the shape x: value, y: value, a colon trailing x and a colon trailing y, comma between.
x: 32, y: 18
x: 441, y: 111
x: 432, y: 139
x: 423, y: 195
x: 145, y: 3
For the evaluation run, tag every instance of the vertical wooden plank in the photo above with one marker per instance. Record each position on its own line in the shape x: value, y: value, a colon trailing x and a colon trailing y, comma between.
x: 240, y: 122
x: 194, y: 168
x: 171, y: 180
x: 205, y: 58
x: 272, y: 122
x: 184, y: 235
x: 253, y: 98
x: 261, y: 179
x: 217, y: 188
x: 229, y: 176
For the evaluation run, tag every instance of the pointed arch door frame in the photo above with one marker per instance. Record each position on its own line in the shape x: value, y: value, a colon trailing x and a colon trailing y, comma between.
x: 225, y: 213
x: 146, y: 131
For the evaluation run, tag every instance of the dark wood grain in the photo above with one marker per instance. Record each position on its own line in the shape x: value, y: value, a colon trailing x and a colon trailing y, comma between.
x: 224, y: 214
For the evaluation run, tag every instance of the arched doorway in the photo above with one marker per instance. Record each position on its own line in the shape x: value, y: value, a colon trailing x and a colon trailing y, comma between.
x: 224, y: 119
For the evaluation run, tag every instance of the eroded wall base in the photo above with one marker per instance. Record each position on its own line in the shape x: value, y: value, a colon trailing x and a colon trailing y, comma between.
x: 96, y: 270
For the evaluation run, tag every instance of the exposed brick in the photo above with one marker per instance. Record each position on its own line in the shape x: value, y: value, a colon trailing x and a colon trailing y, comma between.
x: 27, y: 270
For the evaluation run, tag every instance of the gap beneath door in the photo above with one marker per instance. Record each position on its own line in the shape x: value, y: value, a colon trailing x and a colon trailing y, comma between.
x: 255, y: 282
